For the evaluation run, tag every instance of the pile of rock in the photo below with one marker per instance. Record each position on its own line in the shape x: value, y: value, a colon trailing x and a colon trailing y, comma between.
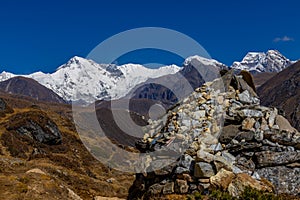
x: 226, y: 141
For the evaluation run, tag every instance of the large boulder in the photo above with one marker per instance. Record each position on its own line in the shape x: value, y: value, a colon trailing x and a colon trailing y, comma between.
x: 284, y: 178
x: 269, y: 158
x: 284, y: 124
x: 242, y: 181
x: 283, y: 138
x: 203, y: 170
x: 222, y: 179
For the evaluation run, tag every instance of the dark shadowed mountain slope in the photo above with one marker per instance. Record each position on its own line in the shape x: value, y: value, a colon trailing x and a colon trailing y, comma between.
x: 283, y: 92
x: 261, y: 78
x: 31, y: 88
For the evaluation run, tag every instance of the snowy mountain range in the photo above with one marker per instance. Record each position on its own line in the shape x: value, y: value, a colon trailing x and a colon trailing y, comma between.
x: 81, y: 79
x: 257, y: 62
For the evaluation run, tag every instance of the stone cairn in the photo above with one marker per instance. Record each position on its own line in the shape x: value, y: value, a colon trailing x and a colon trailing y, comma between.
x: 227, y: 141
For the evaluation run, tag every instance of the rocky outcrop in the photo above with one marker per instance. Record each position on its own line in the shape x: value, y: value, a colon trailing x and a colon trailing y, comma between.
x: 4, y: 108
x: 37, y: 126
x: 223, y: 140
x: 242, y: 181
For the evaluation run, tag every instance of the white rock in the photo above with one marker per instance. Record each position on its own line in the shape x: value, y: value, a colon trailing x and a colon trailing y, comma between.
x: 36, y: 171
x: 199, y: 114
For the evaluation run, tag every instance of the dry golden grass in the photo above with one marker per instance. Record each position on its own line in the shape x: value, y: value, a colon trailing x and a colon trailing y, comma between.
x: 67, y: 165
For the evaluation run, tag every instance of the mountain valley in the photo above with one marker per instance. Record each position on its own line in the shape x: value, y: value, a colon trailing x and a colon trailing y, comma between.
x: 42, y: 155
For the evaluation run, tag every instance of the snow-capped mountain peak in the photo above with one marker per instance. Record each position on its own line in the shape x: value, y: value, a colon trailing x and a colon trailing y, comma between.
x: 257, y: 62
x: 253, y: 57
x: 198, y: 60
x: 6, y: 75
x: 82, y: 79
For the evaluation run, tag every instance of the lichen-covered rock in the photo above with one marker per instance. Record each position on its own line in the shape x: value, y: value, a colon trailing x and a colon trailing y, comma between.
x: 168, y: 188
x: 242, y: 181
x: 228, y: 133
x: 203, y: 170
x: 248, y: 124
x: 181, y: 186
x: 285, y: 179
x: 269, y: 158
x: 272, y: 117
x: 284, y: 138
x: 205, y: 156
x: 186, y: 161
x: 250, y: 113
x: 245, y: 164
x: 222, y: 179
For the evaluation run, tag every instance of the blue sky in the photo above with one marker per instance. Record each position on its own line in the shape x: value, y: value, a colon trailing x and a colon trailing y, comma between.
x: 40, y: 35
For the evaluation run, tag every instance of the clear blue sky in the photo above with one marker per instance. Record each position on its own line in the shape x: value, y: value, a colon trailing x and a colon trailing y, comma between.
x: 40, y: 35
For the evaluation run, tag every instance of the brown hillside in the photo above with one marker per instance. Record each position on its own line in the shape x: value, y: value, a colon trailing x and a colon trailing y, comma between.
x: 42, y: 156
x: 30, y: 88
